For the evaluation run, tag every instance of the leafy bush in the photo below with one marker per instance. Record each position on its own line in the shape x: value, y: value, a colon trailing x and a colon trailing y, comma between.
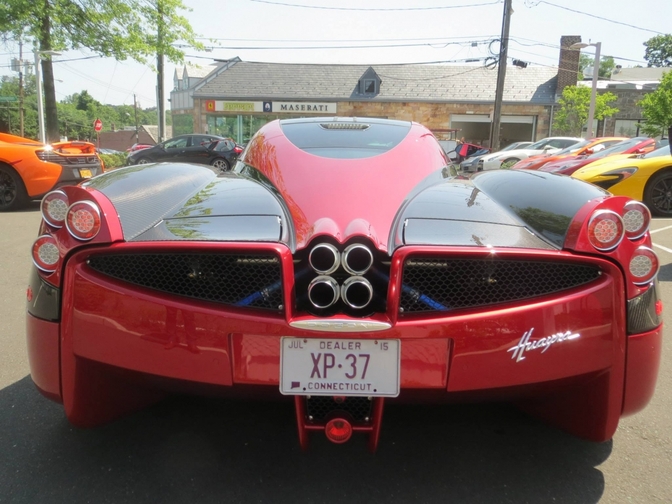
x: 113, y: 161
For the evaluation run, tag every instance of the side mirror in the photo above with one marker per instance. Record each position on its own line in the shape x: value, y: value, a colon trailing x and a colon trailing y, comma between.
x: 589, y: 152
x: 547, y: 147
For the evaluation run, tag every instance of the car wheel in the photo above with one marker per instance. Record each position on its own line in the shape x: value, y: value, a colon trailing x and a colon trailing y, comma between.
x: 13, y: 193
x: 144, y: 160
x: 221, y: 164
x: 658, y: 194
x: 508, y: 163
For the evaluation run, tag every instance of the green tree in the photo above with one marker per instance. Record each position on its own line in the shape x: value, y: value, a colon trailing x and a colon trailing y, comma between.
x: 121, y: 29
x: 572, y: 115
x: 607, y: 66
x: 659, y: 51
x: 657, y: 108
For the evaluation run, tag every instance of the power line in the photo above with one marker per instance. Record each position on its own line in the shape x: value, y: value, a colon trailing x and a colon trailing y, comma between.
x: 375, y: 9
x: 600, y: 17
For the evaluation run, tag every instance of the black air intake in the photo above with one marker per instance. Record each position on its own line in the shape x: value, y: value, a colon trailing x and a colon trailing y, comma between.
x: 442, y: 284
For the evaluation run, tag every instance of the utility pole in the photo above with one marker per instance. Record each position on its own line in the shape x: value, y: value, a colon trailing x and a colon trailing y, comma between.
x: 501, y: 76
x: 21, y: 132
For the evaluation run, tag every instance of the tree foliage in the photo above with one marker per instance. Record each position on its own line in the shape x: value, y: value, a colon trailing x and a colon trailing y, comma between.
x: 657, y: 108
x: 607, y: 66
x: 121, y: 29
x: 572, y: 114
x: 76, y: 113
x: 659, y: 51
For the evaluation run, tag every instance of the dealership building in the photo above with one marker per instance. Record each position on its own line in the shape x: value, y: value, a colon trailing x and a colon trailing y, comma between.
x: 235, y: 98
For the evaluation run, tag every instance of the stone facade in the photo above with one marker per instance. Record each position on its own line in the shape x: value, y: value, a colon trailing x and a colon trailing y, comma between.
x: 628, y: 108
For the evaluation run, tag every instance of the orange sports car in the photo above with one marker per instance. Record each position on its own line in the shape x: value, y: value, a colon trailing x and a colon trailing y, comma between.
x: 30, y: 169
x: 582, y: 148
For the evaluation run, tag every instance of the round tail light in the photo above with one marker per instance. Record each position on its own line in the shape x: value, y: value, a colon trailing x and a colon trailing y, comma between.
x: 636, y: 219
x: 605, y: 230
x: 643, y: 265
x: 83, y: 220
x: 46, y: 254
x: 54, y: 208
x: 338, y: 430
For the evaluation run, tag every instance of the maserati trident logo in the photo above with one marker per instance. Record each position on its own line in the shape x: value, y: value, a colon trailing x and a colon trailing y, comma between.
x: 525, y: 345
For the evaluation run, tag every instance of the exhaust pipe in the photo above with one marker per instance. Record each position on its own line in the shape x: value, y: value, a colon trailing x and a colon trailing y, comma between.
x: 357, y: 292
x: 357, y: 259
x: 323, y: 291
x: 324, y: 258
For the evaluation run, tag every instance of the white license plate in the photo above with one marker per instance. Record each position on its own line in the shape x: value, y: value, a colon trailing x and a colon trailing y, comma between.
x: 84, y: 173
x: 339, y: 367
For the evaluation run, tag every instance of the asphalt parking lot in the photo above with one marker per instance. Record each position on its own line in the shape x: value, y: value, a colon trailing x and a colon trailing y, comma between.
x: 201, y: 450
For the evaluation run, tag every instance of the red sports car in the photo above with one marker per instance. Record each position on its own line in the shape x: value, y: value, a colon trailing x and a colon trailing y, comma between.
x: 342, y: 264
x: 569, y: 164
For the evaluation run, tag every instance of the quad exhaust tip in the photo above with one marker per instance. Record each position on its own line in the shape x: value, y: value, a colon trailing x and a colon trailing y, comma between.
x: 323, y: 291
x: 324, y: 258
x: 357, y: 259
x: 357, y: 292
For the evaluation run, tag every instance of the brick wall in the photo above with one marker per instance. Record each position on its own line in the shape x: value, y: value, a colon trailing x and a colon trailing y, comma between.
x: 568, y: 66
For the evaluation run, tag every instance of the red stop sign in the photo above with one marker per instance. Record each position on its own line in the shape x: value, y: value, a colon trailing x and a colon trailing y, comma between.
x: 97, y: 125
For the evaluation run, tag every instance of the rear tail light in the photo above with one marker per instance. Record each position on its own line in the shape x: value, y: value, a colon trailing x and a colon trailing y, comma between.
x: 45, y: 253
x: 643, y: 265
x: 54, y: 208
x: 83, y: 220
x: 237, y: 149
x: 636, y: 219
x: 605, y: 230
x: 338, y: 430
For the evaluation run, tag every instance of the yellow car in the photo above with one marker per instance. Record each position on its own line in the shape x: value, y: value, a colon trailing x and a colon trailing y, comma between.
x: 647, y: 178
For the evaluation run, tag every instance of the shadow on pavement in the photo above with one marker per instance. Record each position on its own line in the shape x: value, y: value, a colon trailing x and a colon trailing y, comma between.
x: 200, y: 450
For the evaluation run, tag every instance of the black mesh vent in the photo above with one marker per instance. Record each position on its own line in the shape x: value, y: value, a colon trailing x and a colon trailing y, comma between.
x: 236, y: 279
x: 320, y: 407
x: 431, y: 284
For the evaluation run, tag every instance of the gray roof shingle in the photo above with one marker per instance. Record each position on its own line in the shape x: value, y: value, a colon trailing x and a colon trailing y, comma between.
x: 434, y: 83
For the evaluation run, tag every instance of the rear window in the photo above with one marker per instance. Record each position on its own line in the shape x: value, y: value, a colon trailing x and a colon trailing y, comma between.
x: 334, y: 138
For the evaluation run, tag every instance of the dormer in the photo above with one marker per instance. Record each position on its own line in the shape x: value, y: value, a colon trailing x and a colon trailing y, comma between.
x: 176, y: 81
x: 369, y: 83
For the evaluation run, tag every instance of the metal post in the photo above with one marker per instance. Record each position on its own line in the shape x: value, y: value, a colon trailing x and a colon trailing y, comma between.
x: 591, y: 110
x: 40, y: 105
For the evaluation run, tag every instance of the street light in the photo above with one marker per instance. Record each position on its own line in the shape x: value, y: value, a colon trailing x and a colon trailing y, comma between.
x: 38, y: 82
x: 593, y: 92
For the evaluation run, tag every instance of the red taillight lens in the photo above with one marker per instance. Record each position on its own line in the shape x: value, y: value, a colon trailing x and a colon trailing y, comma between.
x: 338, y: 430
x: 83, y: 220
x: 54, y: 208
x: 636, y: 219
x: 605, y: 230
x: 237, y: 149
x: 643, y: 265
x: 45, y: 253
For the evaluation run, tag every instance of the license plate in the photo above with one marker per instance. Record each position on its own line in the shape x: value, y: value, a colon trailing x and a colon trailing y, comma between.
x: 339, y: 367
x: 84, y: 173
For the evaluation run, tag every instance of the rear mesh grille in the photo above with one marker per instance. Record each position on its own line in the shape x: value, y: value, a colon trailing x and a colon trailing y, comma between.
x: 319, y: 408
x: 432, y: 284
x: 235, y: 279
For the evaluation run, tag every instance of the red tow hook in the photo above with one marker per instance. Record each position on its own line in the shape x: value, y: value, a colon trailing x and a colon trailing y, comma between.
x: 339, y: 426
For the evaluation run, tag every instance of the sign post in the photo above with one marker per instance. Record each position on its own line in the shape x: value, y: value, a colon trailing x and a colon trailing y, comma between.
x: 98, y: 125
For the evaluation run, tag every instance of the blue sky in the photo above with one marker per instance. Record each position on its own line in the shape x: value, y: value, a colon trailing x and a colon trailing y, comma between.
x: 377, y: 31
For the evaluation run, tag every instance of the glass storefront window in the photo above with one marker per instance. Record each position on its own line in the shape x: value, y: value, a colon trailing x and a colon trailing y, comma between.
x: 240, y: 127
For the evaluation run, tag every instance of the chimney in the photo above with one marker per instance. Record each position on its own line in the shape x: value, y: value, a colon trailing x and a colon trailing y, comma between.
x: 568, y: 68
